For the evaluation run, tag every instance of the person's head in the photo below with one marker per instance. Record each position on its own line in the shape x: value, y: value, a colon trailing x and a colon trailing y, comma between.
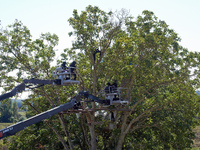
x: 63, y: 65
x: 108, y: 83
x: 73, y: 64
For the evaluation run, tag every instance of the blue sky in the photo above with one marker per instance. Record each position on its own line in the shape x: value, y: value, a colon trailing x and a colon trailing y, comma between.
x: 42, y: 16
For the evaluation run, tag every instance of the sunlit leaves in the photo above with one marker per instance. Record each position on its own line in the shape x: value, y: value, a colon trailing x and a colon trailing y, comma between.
x: 22, y: 55
x: 145, y: 57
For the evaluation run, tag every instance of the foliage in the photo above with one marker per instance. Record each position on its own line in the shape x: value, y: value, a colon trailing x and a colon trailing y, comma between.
x: 9, y: 112
x: 15, y: 112
x: 6, y: 112
x: 142, y: 54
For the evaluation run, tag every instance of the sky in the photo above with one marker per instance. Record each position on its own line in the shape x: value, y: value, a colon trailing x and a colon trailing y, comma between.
x: 42, y: 16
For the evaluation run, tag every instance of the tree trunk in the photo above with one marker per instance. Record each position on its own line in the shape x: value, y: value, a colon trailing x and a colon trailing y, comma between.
x: 94, y: 84
x: 92, y: 131
x: 123, y: 133
x: 94, y: 80
x: 120, y: 141
x: 85, y: 137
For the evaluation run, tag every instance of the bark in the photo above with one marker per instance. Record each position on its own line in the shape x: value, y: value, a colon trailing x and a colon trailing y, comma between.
x: 90, y: 119
x: 85, y: 137
x: 120, y: 141
x: 94, y: 83
x: 91, y: 116
x: 123, y: 133
x: 94, y: 80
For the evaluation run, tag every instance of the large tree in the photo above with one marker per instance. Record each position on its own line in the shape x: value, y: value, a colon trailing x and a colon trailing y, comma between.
x: 144, y: 56
x: 22, y: 58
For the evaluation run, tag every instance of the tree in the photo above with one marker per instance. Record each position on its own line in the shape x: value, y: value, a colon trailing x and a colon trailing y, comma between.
x: 27, y: 58
x: 143, y: 55
x: 93, y: 30
x: 9, y: 112
x: 6, y: 112
x: 15, y: 111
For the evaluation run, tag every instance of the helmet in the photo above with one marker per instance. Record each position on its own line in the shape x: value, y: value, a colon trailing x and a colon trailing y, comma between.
x: 108, y: 83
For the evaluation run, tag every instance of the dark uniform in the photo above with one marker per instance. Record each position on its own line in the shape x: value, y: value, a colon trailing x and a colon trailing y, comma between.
x: 63, y: 66
x: 114, y: 86
x: 72, y: 69
x: 95, y: 52
x: 108, y: 88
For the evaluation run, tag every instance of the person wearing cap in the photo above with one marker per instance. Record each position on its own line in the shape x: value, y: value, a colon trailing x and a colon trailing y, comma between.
x: 107, y: 88
x: 72, y: 68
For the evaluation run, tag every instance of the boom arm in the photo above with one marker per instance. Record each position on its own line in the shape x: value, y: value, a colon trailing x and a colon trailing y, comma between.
x: 17, y: 89
x: 63, y: 78
x: 11, y: 130
x: 22, y: 86
x: 94, y: 98
x: 74, y: 102
x: 110, y: 99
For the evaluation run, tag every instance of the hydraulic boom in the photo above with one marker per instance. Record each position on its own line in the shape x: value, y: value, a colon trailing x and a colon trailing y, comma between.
x: 11, y: 130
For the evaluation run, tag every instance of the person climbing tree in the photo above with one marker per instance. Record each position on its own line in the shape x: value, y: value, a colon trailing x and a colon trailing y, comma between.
x: 95, y: 52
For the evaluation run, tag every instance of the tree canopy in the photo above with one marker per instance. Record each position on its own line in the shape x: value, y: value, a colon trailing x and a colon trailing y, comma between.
x: 143, y: 54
